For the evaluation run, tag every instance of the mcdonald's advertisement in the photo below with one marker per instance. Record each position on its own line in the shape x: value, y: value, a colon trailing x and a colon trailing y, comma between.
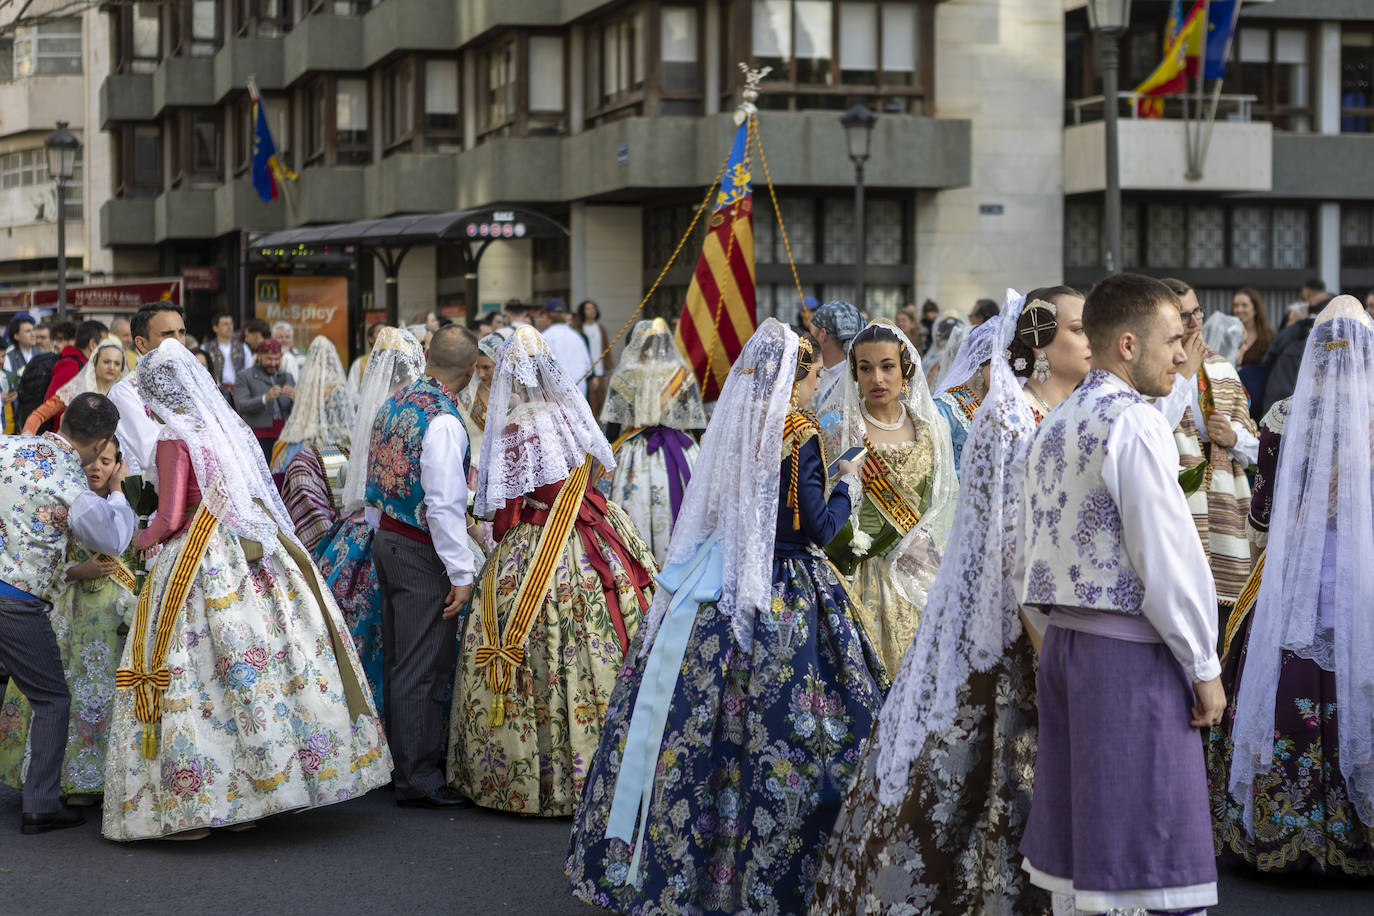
x: 311, y: 305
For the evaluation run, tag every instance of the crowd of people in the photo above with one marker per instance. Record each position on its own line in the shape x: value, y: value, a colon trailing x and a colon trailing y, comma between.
x: 945, y: 614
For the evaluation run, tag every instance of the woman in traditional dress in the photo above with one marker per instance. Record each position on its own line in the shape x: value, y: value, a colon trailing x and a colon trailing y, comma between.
x: 892, y: 547
x: 947, y: 337
x: 1291, y: 767
x: 240, y: 694
x: 653, y: 398
x: 937, y: 812
x: 557, y: 603
x: 101, y: 371
x: 964, y: 383
x: 473, y: 399
x: 312, y: 451
x: 345, y: 553
x: 91, y: 602
x: 735, y: 725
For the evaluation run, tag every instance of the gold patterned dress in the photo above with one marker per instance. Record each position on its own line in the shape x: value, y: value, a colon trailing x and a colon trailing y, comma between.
x: 896, y: 476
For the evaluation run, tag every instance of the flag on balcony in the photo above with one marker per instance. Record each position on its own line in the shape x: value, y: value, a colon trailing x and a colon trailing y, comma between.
x: 1180, y: 61
x: 268, y: 172
x: 1221, y: 31
x: 718, y: 316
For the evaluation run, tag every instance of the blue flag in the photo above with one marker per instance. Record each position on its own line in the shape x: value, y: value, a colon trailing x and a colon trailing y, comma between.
x: 266, y: 170
x: 1221, y: 27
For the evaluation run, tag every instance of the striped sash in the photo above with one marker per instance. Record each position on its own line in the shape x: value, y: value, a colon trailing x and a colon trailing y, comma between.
x: 501, y: 654
x: 121, y: 574
x: 877, y: 480
x: 149, y: 676
x: 1244, y: 604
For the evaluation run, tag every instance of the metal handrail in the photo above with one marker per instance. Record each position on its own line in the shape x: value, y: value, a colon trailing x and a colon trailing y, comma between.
x: 1242, y: 103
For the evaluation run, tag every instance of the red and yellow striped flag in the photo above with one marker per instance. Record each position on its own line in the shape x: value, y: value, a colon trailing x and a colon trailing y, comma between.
x: 718, y: 316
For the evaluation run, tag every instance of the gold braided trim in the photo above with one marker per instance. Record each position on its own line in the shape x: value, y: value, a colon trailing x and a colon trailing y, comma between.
x: 149, y: 676
x: 674, y: 386
x: 1244, y: 604
x: 799, y: 426
x: 276, y: 453
x: 876, y: 476
x: 501, y: 655
x: 121, y: 574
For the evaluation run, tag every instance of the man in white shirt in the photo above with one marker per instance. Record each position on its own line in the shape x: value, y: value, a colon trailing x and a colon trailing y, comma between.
x: 45, y: 500
x: 418, y: 461
x: 1113, y: 574
x: 568, y: 346
x: 228, y: 357
x: 291, y: 358
x: 150, y: 326
x: 516, y: 313
x: 21, y: 350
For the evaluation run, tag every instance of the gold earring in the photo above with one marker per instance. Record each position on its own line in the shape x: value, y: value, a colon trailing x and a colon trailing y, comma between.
x: 906, y: 389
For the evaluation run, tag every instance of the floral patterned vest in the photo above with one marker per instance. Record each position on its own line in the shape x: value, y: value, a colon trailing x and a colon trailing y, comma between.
x: 40, y: 478
x: 1074, y: 552
x: 393, y: 473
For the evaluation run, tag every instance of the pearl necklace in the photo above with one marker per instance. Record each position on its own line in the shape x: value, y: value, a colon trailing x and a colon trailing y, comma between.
x: 890, y: 427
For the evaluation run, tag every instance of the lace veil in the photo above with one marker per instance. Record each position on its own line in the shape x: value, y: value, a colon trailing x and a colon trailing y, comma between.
x: 1224, y: 333
x: 916, y: 558
x: 653, y: 385
x: 490, y: 347
x: 227, y: 459
x: 978, y: 348
x: 323, y: 411
x: 397, y: 359
x: 971, y: 616
x: 84, y: 380
x: 733, y: 494
x: 1319, y: 572
x: 539, y: 427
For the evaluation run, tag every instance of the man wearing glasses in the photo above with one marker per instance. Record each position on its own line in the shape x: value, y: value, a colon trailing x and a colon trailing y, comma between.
x: 1210, y: 413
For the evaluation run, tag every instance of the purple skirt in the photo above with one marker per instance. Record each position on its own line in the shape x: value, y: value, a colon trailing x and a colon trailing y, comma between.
x: 1120, y: 800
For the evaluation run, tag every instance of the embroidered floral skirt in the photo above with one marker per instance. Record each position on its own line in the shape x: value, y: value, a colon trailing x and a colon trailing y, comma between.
x: 951, y: 846
x: 757, y: 754
x: 85, y: 619
x: 345, y: 559
x: 640, y: 486
x: 535, y: 761
x: 255, y: 720
x: 1304, y: 820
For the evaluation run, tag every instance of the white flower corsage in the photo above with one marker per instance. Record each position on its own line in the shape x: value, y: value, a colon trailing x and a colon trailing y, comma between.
x: 860, y: 543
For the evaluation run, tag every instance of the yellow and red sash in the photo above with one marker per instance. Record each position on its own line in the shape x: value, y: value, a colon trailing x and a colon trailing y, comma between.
x: 1244, y: 604
x: 121, y: 574
x: 674, y: 386
x: 148, y: 677
x: 501, y: 654
x: 877, y: 480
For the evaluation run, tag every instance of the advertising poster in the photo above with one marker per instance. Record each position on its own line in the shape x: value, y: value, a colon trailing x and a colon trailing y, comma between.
x: 311, y: 305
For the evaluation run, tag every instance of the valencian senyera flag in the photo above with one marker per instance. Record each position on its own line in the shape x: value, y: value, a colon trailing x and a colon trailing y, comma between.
x: 718, y: 316
x: 268, y: 172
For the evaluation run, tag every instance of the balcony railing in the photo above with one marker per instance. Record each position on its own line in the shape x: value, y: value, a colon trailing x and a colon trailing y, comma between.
x: 1229, y: 107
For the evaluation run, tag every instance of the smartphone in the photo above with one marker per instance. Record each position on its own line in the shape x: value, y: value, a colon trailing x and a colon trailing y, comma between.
x: 855, y: 454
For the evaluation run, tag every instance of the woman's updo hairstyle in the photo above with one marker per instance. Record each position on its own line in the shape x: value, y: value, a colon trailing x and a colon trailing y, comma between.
x: 1036, y: 326
x: 808, y: 351
x: 880, y: 333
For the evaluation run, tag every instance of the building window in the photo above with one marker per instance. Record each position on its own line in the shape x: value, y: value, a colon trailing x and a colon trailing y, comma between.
x: 261, y: 18
x: 138, y: 156
x: 1357, y: 237
x: 1272, y: 64
x: 335, y: 122
x: 616, y: 61
x: 496, y: 89
x: 679, y: 51
x: 443, y: 127
x: 547, y: 105
x: 824, y: 51
x: 138, y: 38
x: 48, y: 48
x: 193, y: 28
x: 398, y: 105
x: 1357, y: 70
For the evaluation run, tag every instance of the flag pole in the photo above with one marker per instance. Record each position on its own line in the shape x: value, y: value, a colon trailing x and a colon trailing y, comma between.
x: 1216, y: 90
x: 1194, y: 133
x: 253, y: 94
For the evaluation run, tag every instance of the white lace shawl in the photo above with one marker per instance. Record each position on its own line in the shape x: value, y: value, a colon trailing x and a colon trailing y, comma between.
x: 1319, y: 572
x: 915, y: 560
x: 397, y: 360
x: 638, y: 394
x: 971, y: 616
x: 227, y: 459
x: 84, y: 380
x: 322, y: 411
x: 733, y: 493
x: 979, y: 347
x: 539, y: 426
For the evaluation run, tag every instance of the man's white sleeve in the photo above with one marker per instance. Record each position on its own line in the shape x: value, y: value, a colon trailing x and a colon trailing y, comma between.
x: 446, y: 496
x: 104, y: 524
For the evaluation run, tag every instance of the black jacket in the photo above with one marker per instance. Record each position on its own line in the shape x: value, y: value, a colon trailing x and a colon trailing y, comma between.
x: 1284, y: 358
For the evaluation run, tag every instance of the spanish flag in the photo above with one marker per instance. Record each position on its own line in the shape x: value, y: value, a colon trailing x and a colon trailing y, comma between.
x: 268, y: 172
x: 1180, y: 61
x: 719, y: 314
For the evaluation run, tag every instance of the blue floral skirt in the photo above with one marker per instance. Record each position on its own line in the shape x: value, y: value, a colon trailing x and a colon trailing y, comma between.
x: 757, y: 754
x: 344, y: 556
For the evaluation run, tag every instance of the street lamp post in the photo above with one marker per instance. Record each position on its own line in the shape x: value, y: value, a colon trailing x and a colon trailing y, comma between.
x: 1108, y: 20
x: 61, y: 147
x: 858, y: 134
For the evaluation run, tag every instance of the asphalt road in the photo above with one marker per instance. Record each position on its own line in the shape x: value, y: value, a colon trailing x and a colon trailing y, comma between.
x: 369, y: 857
